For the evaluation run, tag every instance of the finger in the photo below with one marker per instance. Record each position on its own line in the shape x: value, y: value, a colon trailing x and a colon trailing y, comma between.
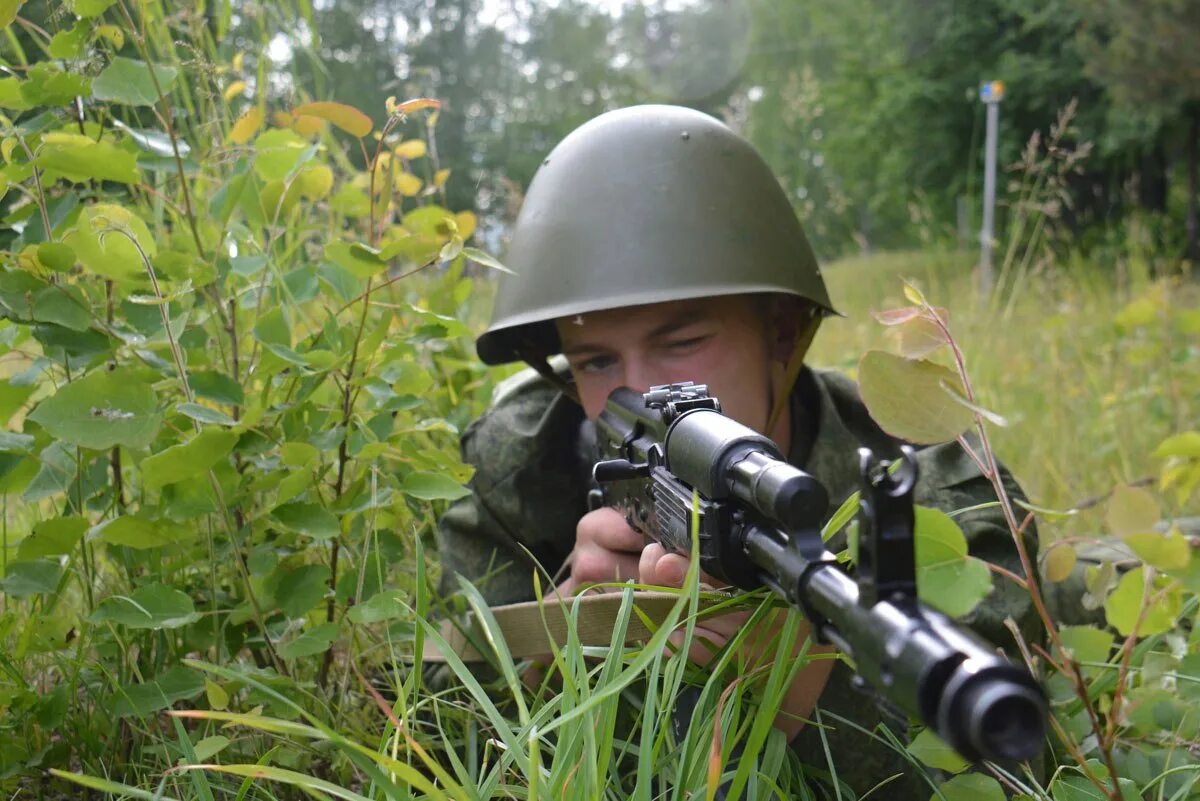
x: 594, y: 565
x: 650, y: 556
x: 671, y: 570
x: 607, y: 529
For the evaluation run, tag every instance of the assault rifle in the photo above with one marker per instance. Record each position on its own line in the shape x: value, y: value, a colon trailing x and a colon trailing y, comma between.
x: 760, y: 524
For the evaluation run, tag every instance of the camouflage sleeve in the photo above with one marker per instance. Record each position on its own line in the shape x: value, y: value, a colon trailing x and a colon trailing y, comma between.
x: 528, y: 492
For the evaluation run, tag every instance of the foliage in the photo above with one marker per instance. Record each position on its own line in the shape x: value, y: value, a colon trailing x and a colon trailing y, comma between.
x: 1121, y: 675
x: 218, y: 348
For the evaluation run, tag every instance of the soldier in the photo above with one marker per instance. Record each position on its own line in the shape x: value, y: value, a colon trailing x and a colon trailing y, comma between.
x: 654, y: 245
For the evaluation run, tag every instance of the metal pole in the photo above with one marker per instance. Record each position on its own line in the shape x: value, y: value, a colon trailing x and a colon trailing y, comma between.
x: 986, y: 235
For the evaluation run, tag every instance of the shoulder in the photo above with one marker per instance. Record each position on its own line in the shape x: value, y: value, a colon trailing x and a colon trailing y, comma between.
x: 529, y: 423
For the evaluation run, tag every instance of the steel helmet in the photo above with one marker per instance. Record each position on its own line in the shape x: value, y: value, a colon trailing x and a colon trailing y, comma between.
x: 643, y: 205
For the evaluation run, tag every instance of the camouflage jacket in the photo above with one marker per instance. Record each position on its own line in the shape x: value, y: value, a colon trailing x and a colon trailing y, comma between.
x: 533, y: 450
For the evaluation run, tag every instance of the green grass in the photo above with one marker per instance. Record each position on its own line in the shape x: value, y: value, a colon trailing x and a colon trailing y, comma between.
x: 1091, y: 372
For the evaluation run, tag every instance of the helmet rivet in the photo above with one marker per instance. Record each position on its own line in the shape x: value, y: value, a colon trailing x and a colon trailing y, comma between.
x: 547, y: 161
x: 685, y: 135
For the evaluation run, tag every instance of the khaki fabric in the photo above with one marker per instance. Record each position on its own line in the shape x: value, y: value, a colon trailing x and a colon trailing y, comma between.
x: 533, y: 451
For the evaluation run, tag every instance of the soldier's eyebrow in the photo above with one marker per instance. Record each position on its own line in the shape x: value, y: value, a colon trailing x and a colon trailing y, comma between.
x: 680, y: 319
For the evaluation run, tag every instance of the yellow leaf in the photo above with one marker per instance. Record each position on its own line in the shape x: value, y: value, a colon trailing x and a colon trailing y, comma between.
x: 1131, y: 510
x: 307, y: 126
x: 238, y: 61
x: 913, y: 294
x: 246, y: 126
x: 466, y: 223
x: 314, y: 182
x: 113, y: 34
x: 345, y: 117
x: 411, y: 149
x: 1058, y: 562
x: 416, y: 104
x: 281, y: 119
x: 233, y: 90
x: 439, y: 178
x: 408, y: 184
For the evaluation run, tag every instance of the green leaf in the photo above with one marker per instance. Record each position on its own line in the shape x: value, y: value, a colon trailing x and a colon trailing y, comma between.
x: 100, y: 410
x: 301, y: 589
x: 1087, y: 644
x: 12, y: 398
x: 91, y: 8
x: 1124, y: 603
x: 931, y: 750
x: 487, y: 260
x: 1131, y: 510
x: 382, y: 606
x: 209, y: 747
x: 314, y: 641
x: 277, y: 152
x: 1185, y: 444
x: 62, y: 305
x: 38, y: 577
x: 217, y: 387
x: 8, y: 11
x: 433, y: 487
x: 175, y: 684
x: 81, y: 159
x: 128, y: 81
x: 908, y: 400
x: 310, y: 519
x: 357, y: 259
x: 187, y: 459
x: 970, y: 787
x: 155, y: 606
x: 298, y: 454
x: 1058, y: 561
x: 11, y: 96
x: 47, y: 85
x: 69, y: 43
x: 53, y: 537
x: 218, y: 698
x: 131, y: 531
x: 15, y: 443
x: 154, y: 142
x: 57, y: 471
x: 948, y: 579
x: 1169, y: 551
x: 205, y: 414
x: 56, y: 256
x: 100, y: 240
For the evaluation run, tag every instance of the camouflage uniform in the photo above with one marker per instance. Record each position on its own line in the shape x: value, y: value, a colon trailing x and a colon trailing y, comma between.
x: 533, y: 451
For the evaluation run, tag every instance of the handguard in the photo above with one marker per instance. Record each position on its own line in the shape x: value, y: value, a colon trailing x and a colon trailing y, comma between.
x: 670, y: 453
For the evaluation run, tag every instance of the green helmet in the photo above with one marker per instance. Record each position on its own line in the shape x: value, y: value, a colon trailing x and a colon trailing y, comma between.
x: 644, y: 205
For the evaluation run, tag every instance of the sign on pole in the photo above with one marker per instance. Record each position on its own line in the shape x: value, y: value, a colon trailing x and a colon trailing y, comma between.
x: 991, y: 93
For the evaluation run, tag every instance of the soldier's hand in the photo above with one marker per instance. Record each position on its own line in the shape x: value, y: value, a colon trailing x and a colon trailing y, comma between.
x: 658, y: 567
x: 606, y: 549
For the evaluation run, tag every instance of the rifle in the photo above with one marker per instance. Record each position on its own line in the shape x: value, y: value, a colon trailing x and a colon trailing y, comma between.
x: 760, y: 523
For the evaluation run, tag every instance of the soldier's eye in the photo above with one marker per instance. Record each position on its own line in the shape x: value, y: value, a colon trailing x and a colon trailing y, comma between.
x: 595, y: 364
x: 686, y: 344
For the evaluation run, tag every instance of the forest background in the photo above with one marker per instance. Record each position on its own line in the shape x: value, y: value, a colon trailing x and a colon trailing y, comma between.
x: 239, y: 291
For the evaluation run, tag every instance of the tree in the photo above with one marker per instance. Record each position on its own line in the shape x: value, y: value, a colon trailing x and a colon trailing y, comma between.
x: 1144, y: 53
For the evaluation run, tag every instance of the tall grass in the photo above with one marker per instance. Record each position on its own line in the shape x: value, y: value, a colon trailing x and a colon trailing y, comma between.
x: 1091, y: 368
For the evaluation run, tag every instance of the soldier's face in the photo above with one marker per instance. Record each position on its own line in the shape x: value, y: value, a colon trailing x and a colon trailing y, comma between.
x: 722, y: 342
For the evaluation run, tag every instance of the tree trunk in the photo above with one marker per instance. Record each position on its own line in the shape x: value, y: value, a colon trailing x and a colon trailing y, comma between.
x: 1152, y: 179
x: 1193, y: 224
